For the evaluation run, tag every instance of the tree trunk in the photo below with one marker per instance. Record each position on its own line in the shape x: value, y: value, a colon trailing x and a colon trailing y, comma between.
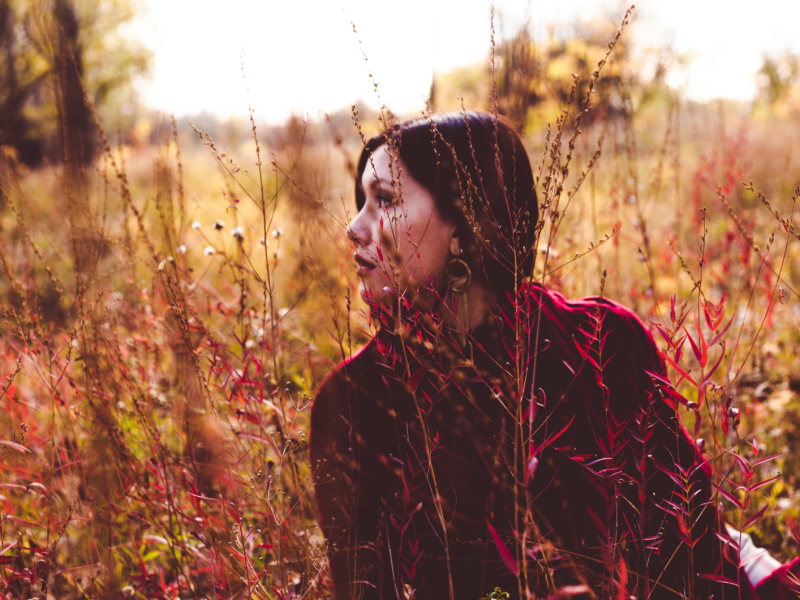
x: 14, y: 127
x: 79, y: 133
x: 79, y: 144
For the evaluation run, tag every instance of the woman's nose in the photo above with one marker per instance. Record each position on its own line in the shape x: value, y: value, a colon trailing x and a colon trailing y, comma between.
x: 359, y: 232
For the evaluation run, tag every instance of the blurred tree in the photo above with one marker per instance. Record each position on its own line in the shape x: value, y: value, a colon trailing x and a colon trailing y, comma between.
x: 538, y: 74
x: 47, y: 48
x: 531, y: 73
x: 472, y: 83
x: 18, y: 80
x: 77, y: 126
x: 519, y: 74
x: 776, y: 77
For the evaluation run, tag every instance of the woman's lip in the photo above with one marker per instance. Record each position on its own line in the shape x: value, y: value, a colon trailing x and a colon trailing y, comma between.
x: 362, y: 264
x: 363, y: 269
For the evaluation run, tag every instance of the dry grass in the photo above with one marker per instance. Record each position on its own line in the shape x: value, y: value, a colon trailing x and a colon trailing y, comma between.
x: 160, y: 376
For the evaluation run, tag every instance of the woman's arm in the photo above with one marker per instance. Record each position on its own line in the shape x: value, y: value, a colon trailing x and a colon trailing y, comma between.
x: 349, y: 508
x: 678, y: 496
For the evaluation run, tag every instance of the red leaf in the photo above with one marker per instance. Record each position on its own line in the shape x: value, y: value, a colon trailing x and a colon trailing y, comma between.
x: 622, y: 585
x: 417, y: 377
x: 238, y: 555
x: 531, y: 468
x: 718, y: 578
x: 672, y: 307
x: 707, y: 316
x: 763, y: 483
x: 659, y: 377
x: 248, y: 416
x: 511, y: 564
x: 664, y: 334
x: 553, y: 437
x: 600, y: 525
x: 233, y: 513
x: 684, y: 527
x: 580, y: 458
x: 674, y: 476
x: 695, y: 349
x: 761, y: 461
x: 703, y: 343
x: 756, y: 516
x: 730, y: 497
x: 15, y: 446
x: 684, y: 374
x: 717, y: 337
x: 755, y: 446
x: 44, y: 489
x: 682, y: 536
x: 745, y: 466
x: 716, y: 366
x: 679, y: 349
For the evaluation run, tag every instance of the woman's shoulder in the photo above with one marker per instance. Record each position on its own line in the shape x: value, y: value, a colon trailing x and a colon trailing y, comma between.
x: 346, y: 378
x: 332, y: 402
x: 589, y: 308
x: 620, y: 327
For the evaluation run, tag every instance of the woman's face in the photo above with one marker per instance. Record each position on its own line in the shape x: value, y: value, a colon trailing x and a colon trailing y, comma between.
x: 401, y: 238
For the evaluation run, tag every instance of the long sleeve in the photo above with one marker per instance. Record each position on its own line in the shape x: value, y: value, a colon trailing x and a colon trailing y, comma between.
x: 674, y: 479
x: 348, y: 504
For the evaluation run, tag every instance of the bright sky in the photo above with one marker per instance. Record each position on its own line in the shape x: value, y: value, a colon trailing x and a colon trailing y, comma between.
x: 302, y: 55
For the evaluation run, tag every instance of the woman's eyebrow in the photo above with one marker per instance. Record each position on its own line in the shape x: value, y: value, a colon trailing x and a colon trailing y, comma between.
x: 377, y: 185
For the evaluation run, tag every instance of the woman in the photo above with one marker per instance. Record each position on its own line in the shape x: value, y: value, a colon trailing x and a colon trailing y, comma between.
x: 493, y: 434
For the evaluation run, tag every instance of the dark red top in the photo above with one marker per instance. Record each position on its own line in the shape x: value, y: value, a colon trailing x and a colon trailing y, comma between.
x: 618, y: 479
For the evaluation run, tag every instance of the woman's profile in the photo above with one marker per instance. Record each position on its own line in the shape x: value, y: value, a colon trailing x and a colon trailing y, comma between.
x: 492, y: 433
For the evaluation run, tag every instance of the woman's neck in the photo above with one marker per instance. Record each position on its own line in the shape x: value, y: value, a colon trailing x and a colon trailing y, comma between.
x: 476, y: 302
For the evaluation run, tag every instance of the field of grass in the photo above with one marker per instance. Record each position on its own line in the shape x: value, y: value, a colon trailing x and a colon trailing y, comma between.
x: 168, y: 316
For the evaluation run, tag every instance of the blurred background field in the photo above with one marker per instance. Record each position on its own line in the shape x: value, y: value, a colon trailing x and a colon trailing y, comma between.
x: 174, y: 289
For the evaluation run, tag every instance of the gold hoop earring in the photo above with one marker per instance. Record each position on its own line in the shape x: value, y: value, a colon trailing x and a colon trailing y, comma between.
x: 459, y: 282
x: 459, y: 277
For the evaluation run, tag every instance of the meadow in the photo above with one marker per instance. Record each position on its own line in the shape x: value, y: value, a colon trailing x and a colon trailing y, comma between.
x: 169, y: 314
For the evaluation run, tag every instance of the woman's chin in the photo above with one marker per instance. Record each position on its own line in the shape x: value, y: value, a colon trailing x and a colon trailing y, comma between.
x: 365, y: 292
x: 375, y: 295
x: 371, y: 294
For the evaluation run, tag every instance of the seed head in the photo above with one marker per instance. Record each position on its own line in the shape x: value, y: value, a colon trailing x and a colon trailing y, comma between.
x: 209, y: 250
x: 196, y: 225
x: 219, y: 225
x: 181, y: 249
x: 238, y: 233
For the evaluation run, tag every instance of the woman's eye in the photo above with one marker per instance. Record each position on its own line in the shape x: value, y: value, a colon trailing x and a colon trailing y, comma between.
x: 383, y: 200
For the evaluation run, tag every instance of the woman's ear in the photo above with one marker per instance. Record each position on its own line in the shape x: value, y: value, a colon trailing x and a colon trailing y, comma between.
x: 455, y: 243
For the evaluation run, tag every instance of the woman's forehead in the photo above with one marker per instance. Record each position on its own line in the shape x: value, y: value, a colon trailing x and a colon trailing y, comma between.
x: 378, y: 172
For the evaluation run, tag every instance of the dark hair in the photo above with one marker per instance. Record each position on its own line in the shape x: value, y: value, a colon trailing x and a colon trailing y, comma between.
x: 455, y: 156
